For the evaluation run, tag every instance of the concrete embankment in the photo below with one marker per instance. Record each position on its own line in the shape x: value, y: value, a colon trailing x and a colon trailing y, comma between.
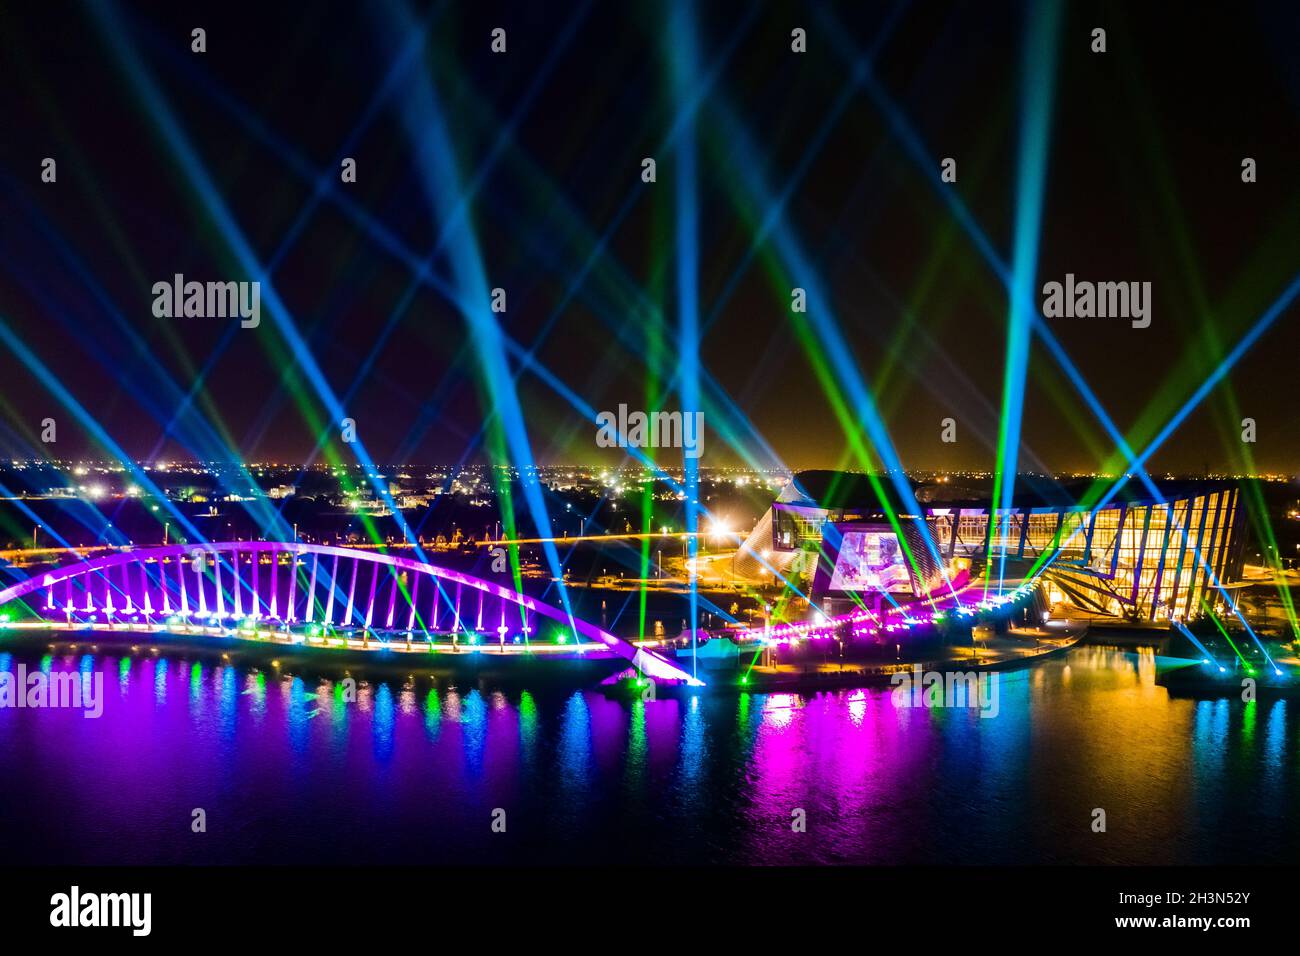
x: 1010, y: 651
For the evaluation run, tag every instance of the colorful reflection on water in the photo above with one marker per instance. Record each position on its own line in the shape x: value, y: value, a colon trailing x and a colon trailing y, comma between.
x: 291, y: 769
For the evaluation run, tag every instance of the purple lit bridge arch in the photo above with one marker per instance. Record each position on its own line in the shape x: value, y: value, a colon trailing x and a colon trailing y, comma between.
x: 237, y: 587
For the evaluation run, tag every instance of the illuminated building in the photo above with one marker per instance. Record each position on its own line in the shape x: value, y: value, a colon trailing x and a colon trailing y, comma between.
x: 1139, y: 557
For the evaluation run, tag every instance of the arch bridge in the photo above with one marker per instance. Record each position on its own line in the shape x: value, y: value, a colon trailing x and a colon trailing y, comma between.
x: 312, y: 594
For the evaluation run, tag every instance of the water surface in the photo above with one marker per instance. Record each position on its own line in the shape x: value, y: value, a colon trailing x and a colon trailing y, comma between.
x: 288, y: 772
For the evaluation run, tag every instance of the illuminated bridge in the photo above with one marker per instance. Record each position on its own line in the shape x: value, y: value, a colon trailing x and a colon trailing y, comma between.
x: 310, y: 595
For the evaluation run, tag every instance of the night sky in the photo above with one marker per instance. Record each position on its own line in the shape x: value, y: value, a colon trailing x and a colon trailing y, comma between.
x: 1143, y: 184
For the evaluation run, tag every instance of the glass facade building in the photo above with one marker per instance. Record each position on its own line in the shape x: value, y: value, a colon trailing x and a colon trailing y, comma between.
x: 1153, y: 558
x: 1141, y: 558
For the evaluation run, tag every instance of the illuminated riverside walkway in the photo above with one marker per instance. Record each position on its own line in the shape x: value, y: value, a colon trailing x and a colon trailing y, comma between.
x: 307, y: 594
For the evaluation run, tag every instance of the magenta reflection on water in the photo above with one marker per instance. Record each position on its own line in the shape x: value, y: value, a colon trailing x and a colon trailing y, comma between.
x: 287, y: 768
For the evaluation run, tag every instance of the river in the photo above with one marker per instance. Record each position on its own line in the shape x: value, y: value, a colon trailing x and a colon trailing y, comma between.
x: 286, y: 770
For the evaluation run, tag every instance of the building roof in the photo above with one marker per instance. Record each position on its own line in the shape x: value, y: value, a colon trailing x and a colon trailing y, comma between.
x: 853, y: 491
x: 832, y: 490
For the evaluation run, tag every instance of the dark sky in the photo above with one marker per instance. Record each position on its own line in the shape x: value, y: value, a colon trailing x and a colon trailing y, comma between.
x: 1143, y: 184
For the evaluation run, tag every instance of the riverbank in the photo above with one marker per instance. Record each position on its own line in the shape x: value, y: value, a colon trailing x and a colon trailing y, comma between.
x: 551, y: 667
x: 1003, y: 651
x: 997, y: 651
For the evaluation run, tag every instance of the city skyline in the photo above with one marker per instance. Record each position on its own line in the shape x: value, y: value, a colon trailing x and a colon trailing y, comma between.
x: 910, y: 269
